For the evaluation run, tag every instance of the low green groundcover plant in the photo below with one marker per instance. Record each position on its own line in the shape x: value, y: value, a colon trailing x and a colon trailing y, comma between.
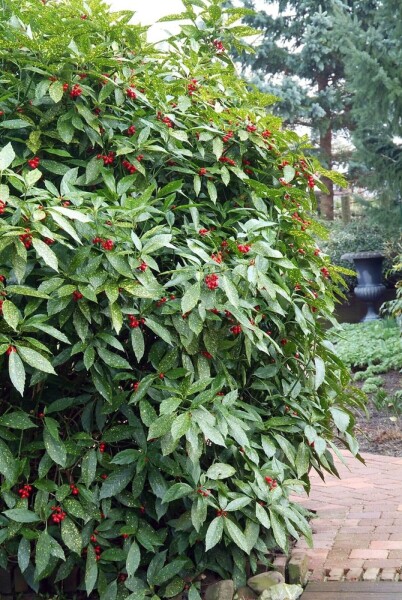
x: 165, y: 377
x: 369, y: 348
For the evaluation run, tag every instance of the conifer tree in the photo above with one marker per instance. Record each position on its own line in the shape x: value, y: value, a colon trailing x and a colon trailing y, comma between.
x: 301, y: 59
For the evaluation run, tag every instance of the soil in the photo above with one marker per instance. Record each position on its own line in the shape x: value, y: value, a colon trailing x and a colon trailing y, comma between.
x: 380, y: 430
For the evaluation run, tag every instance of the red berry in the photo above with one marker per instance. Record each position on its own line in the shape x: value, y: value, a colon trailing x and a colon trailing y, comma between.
x: 243, y: 248
x: 75, y: 91
x: 202, y: 171
x: 212, y: 281
x: 108, y: 245
x: 102, y: 447
x: 236, y: 329
x: 77, y: 296
x: 143, y: 266
x: 34, y: 162
x: 131, y: 130
x: 131, y: 93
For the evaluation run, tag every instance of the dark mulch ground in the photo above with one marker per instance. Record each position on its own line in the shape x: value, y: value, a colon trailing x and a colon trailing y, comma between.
x: 380, y: 432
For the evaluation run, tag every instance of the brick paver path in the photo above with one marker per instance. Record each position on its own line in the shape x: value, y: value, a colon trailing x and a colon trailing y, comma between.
x: 358, y: 530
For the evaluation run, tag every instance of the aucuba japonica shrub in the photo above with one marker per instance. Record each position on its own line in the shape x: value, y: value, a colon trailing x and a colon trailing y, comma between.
x: 166, y: 381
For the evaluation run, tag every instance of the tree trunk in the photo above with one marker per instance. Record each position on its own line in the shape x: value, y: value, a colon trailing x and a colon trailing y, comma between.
x: 326, y: 204
x: 327, y: 200
x: 345, y: 209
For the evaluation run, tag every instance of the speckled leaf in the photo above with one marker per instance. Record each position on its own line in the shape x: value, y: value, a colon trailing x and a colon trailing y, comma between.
x: 16, y: 372
x: 91, y: 570
x: 55, y: 449
x: 35, y: 359
x: 8, y: 465
x: 236, y: 534
x: 24, y: 554
x: 214, y: 533
x: 21, y: 515
x: 71, y: 536
x: 117, y: 481
x: 11, y: 314
x: 42, y: 552
x: 88, y: 467
x: 133, y: 559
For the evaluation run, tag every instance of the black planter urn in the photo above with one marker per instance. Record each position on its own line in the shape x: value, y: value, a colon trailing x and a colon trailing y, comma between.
x: 369, y: 274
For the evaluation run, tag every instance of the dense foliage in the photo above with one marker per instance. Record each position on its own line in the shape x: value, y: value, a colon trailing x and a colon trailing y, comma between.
x: 165, y: 376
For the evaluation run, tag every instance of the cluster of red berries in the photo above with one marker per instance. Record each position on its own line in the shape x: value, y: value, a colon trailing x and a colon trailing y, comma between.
x: 204, y: 493
x: 131, y: 93
x: 221, y: 513
x: 266, y: 134
x: 98, y: 552
x: 131, y: 130
x: 129, y: 167
x: 58, y: 514
x: 74, y: 490
x: 207, y: 354
x: 77, y: 296
x: 203, y: 232
x: 26, y: 239
x: 106, y: 244
x: 311, y: 181
x: 2, y: 206
x: 227, y: 160
x: 134, y: 322
x: 192, y: 87
x: 2, y: 279
x: 272, y: 483
x: 236, y: 329
x: 219, y: 46
x: 11, y: 349
x: 135, y: 385
x: 228, y: 136
x: 284, y: 341
x: 165, y: 120
x: 297, y: 217
x: 251, y: 128
x: 161, y: 302
x: 102, y: 447
x: 218, y: 258
x: 25, y: 491
x: 48, y: 241
x: 244, y: 248
x: 168, y: 122
x: 34, y: 162
x: 212, y: 281
x: 65, y: 87
x: 122, y: 577
x: 75, y: 91
x: 108, y: 159
x: 143, y: 266
x: 317, y: 252
x: 325, y: 272
x: 202, y: 171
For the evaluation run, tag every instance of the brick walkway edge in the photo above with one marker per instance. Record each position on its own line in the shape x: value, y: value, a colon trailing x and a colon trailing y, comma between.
x: 358, y: 530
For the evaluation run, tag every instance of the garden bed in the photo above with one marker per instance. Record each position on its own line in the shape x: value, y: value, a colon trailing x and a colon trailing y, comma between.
x: 380, y: 430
